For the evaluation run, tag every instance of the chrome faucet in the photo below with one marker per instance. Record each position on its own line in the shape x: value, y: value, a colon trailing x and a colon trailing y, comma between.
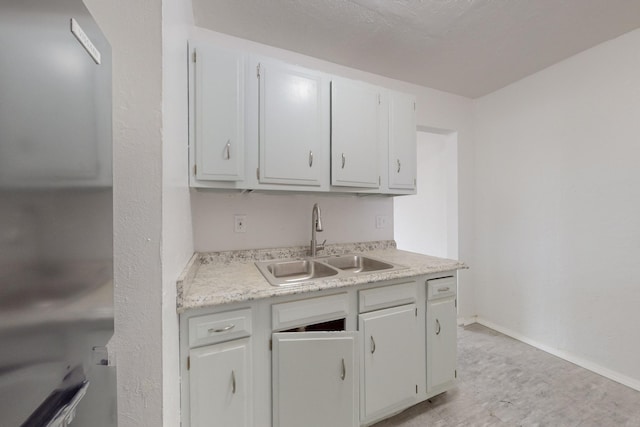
x: 316, y: 225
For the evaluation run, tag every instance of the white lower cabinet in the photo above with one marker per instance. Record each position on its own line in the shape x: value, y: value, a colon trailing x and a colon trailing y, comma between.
x: 329, y: 358
x: 315, y: 379
x: 220, y: 381
x: 441, y: 334
x: 390, y: 346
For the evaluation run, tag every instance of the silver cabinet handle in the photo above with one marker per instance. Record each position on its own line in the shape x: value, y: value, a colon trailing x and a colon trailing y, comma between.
x: 443, y: 289
x: 225, y: 329
x: 344, y: 371
x: 373, y: 345
x: 343, y: 160
x: 233, y: 381
x: 437, y: 327
x: 228, y: 150
x: 399, y: 165
x: 310, y: 158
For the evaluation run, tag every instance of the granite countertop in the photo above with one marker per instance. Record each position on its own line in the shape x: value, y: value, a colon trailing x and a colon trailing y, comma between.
x: 216, y: 278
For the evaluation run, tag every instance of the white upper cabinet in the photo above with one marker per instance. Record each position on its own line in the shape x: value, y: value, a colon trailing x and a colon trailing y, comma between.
x: 217, y: 91
x: 293, y: 124
x: 402, y: 141
x: 259, y: 123
x: 355, y: 134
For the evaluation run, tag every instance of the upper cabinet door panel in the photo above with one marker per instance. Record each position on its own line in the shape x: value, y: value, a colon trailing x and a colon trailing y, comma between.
x: 355, y: 134
x: 402, y: 141
x: 219, y: 114
x: 293, y: 124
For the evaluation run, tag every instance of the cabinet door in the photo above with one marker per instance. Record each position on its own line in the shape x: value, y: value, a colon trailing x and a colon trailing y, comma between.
x: 220, y: 385
x: 315, y: 379
x: 390, y: 349
x: 355, y: 134
x: 402, y: 141
x: 218, y: 89
x: 441, y: 343
x: 293, y: 124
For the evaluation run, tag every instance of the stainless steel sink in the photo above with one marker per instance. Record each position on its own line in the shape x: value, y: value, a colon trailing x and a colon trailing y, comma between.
x: 290, y: 272
x: 357, y: 263
x: 295, y: 271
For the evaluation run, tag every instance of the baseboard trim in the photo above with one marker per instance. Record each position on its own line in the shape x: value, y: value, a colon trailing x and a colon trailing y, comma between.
x: 466, y: 321
x: 569, y: 357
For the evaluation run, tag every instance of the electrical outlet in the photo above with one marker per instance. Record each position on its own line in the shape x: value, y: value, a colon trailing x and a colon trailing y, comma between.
x: 240, y: 223
x: 381, y: 221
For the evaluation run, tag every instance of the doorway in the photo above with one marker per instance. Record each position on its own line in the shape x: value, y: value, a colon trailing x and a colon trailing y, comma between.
x: 427, y: 222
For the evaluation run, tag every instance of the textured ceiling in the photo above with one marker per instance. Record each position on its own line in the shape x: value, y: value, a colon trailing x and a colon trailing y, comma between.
x: 467, y: 47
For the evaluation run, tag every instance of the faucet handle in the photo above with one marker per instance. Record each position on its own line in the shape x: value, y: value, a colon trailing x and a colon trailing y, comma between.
x: 320, y: 247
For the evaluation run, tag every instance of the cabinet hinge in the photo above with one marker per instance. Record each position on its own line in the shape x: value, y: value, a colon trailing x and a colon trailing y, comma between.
x: 195, y: 169
x: 258, y: 70
x: 194, y: 56
x: 257, y: 173
x: 188, y: 363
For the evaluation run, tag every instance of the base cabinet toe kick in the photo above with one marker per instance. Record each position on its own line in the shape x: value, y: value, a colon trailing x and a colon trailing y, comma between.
x: 341, y: 357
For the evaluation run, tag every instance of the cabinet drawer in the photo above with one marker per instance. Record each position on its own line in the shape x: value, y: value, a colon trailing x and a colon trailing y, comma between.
x: 308, y: 311
x: 214, y: 328
x: 441, y: 288
x: 387, y: 296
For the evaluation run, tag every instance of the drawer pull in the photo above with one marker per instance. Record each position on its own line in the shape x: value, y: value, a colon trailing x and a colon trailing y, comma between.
x: 225, y: 329
x: 310, y: 158
x: 443, y: 289
x: 233, y: 382
x: 438, y: 327
x: 343, y: 160
x: 344, y: 371
x: 373, y: 345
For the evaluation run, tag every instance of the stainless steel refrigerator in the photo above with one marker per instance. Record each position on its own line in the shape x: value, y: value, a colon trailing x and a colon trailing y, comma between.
x: 56, y: 212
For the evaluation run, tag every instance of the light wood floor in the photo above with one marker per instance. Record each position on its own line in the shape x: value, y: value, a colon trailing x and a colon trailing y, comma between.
x: 504, y: 382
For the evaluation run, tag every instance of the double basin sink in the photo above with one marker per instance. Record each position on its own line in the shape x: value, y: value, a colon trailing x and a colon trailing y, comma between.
x: 292, y: 272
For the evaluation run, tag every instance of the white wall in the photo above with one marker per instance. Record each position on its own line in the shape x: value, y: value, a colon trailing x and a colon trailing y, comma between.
x: 275, y: 220
x: 177, y: 241
x: 557, y: 255
x: 427, y: 222
x: 137, y: 163
x: 436, y: 109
